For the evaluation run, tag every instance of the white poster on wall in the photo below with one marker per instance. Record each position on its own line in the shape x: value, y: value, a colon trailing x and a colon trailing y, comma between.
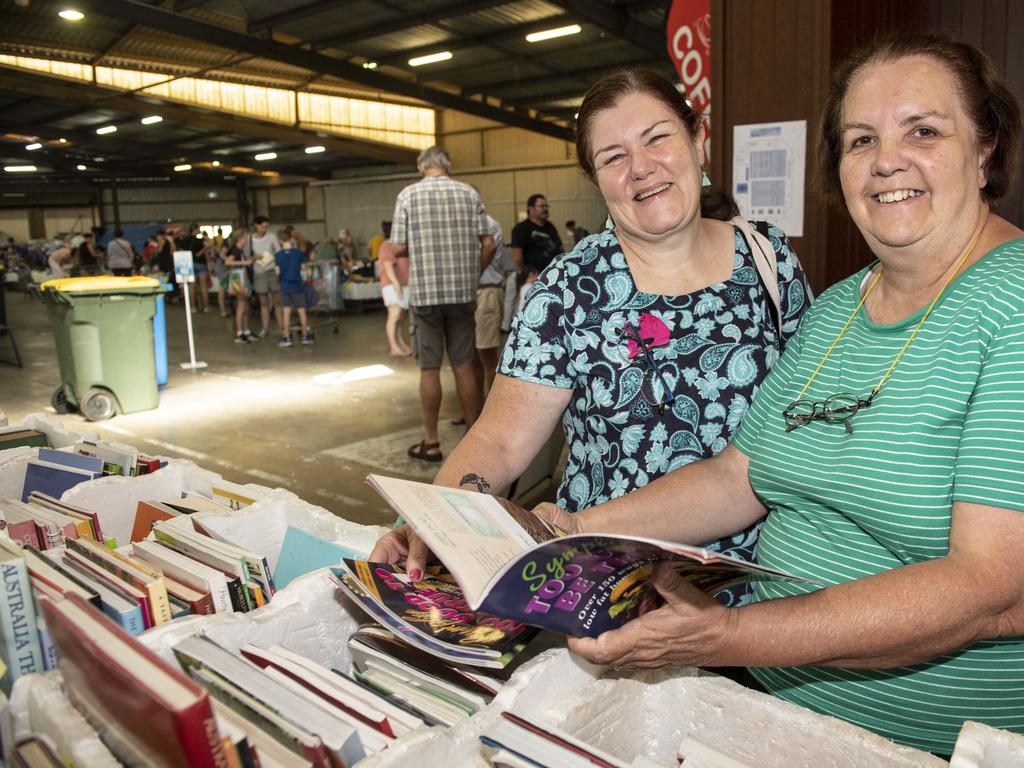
x: 768, y: 170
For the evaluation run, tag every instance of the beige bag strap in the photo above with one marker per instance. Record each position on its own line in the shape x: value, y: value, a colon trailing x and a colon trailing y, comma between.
x: 767, y: 265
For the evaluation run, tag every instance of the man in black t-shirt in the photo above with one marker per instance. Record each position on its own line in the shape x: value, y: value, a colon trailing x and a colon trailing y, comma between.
x: 535, y: 241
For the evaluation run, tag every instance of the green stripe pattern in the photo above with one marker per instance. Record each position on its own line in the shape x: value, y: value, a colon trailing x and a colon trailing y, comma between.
x: 947, y: 426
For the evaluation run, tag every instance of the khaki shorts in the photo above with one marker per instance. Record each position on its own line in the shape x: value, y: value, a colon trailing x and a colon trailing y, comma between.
x: 440, y: 328
x: 265, y: 282
x: 490, y: 309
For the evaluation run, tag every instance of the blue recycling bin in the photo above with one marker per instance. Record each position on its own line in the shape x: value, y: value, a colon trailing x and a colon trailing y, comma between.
x: 160, y: 341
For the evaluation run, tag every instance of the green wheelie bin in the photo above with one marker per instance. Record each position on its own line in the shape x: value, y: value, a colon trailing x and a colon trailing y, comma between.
x: 104, y: 331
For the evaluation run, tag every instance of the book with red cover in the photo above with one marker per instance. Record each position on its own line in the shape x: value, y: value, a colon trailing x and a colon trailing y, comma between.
x: 147, y: 711
x: 146, y: 465
x: 198, y: 602
x: 147, y: 513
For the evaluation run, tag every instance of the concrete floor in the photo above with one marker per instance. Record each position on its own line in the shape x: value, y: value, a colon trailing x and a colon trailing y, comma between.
x: 313, y: 419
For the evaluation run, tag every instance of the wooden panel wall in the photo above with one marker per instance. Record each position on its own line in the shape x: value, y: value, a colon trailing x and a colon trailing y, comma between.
x: 995, y: 26
x: 771, y: 59
x: 769, y: 63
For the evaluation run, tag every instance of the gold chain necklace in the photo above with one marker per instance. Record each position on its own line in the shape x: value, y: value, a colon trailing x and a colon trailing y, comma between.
x: 906, y: 345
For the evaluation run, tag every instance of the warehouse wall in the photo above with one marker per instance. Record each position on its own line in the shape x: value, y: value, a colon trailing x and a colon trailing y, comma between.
x: 506, y: 164
x: 52, y: 220
x: 213, y: 203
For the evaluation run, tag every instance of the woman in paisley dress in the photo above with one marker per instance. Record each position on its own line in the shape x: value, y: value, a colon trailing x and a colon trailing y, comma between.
x: 649, y: 339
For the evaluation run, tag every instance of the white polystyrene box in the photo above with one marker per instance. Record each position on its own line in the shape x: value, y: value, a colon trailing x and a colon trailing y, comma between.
x: 56, y: 433
x: 261, y: 527
x: 40, y: 705
x: 309, y: 616
x: 13, y: 461
x: 981, y: 746
x: 650, y: 712
x: 115, y: 498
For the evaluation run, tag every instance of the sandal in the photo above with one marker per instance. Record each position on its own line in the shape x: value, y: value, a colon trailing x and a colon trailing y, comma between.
x: 425, y: 451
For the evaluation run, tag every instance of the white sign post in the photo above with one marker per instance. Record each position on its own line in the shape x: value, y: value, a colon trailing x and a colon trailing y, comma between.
x: 185, y: 273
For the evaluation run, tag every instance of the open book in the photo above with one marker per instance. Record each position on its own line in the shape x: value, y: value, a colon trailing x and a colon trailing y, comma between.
x: 511, y: 563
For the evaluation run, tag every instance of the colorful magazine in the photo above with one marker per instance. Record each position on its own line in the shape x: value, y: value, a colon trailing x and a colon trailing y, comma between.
x: 510, y: 563
x: 432, y: 615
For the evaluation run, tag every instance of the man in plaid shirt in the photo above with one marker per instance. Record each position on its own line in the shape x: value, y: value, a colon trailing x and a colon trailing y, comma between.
x: 442, y: 225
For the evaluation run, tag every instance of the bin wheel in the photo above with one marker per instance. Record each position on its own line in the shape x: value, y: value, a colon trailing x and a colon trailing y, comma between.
x: 59, y: 401
x: 98, y: 404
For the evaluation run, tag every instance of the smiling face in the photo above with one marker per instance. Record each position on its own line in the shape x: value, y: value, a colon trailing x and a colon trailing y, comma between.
x: 647, y: 166
x: 911, y: 168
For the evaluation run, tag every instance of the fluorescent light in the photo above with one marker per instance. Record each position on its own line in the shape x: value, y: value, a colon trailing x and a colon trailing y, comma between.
x: 369, y: 65
x: 19, y: 168
x: 99, y: 159
x: 265, y: 156
x: 215, y: 163
x: 419, y: 61
x: 33, y: 146
x: 80, y: 167
x: 106, y: 129
x: 183, y: 167
x: 548, y: 34
x: 315, y: 150
x: 151, y: 119
x: 70, y: 14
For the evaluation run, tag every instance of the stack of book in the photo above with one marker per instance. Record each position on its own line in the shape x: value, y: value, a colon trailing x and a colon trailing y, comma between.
x: 232, y: 574
x: 438, y: 692
x: 146, y: 711
x: 515, y: 741
x: 511, y: 573
x: 43, y: 521
x: 17, y: 437
x: 55, y: 471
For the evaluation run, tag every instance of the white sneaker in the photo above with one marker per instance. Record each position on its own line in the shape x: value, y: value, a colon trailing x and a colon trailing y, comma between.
x: 263, y: 333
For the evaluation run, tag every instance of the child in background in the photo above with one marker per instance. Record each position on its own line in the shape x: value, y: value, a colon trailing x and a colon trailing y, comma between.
x: 238, y: 282
x: 293, y: 293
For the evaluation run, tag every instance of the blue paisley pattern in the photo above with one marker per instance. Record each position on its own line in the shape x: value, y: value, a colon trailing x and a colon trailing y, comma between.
x: 722, y: 343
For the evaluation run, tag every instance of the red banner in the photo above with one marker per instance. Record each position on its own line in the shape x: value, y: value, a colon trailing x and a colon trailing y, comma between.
x: 688, y: 32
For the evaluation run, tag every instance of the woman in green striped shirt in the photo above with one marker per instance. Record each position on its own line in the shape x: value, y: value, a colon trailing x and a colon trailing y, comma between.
x: 887, y: 445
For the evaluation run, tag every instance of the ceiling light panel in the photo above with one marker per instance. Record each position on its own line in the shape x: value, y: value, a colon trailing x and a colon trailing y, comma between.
x: 550, y: 34
x: 430, y: 58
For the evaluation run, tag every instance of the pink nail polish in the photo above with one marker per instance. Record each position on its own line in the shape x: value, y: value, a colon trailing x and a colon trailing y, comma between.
x: 415, y: 574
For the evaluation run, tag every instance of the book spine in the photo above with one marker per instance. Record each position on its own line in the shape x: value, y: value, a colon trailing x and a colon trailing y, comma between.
x: 237, y: 592
x: 46, y: 646
x: 159, y: 603
x: 204, y: 605
x: 130, y: 621
x: 18, y: 622
x: 199, y: 736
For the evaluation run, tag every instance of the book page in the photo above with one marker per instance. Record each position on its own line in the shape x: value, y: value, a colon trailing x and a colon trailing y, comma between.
x: 472, y: 533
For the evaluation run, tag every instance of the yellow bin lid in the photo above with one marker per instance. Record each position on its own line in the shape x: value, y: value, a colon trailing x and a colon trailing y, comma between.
x: 100, y: 283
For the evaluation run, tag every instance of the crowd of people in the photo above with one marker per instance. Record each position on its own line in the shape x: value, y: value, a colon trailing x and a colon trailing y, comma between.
x: 250, y: 270
x: 869, y: 442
